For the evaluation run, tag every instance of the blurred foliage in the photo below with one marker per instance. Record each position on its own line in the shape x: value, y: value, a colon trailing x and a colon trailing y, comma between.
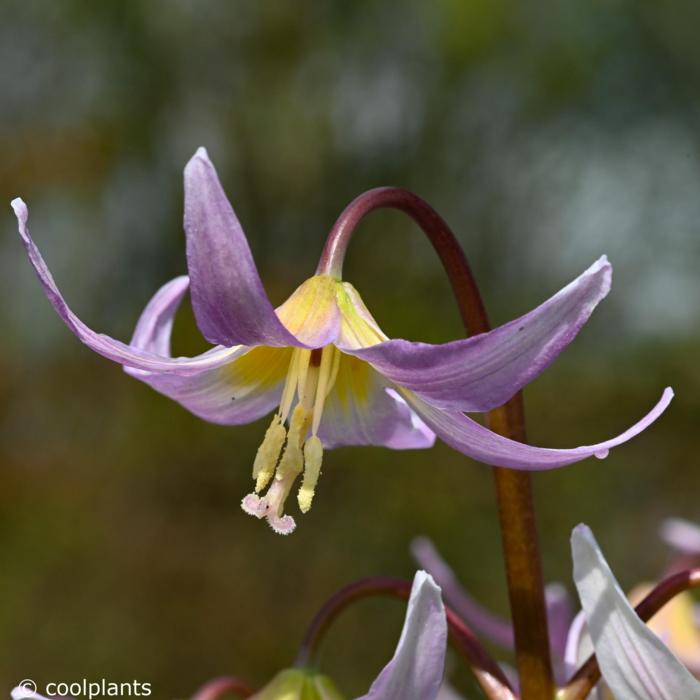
x: 547, y: 134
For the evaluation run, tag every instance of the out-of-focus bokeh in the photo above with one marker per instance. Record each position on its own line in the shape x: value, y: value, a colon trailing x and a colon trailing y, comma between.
x: 545, y: 133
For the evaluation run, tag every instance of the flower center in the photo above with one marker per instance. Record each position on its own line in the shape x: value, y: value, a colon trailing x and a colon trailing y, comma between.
x: 287, y: 453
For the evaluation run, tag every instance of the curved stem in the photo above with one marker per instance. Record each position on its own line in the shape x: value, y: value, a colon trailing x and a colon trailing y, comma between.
x: 471, y: 307
x: 582, y: 682
x: 513, y: 488
x: 220, y: 687
x: 487, y: 672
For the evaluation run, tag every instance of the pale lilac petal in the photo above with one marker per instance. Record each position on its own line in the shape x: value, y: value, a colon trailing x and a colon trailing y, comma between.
x: 634, y: 662
x: 496, y: 629
x: 484, y: 371
x: 104, y: 345
x: 474, y: 440
x: 416, y: 670
x: 559, y: 618
x: 228, y: 298
x: 362, y: 409
x: 155, y: 325
x: 682, y: 535
x: 245, y: 389
x: 578, y: 645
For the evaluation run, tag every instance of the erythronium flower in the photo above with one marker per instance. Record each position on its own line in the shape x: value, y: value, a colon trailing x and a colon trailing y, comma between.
x: 634, y: 662
x: 675, y: 624
x: 323, y: 362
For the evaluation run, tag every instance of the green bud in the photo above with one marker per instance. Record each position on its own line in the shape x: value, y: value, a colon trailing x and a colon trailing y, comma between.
x: 298, y: 684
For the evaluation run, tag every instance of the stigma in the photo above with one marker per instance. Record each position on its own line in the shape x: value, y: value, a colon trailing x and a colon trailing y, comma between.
x: 286, y: 453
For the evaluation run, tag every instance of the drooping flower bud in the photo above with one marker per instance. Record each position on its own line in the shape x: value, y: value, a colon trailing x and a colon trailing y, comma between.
x: 298, y: 684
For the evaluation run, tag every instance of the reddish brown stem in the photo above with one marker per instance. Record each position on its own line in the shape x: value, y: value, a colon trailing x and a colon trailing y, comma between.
x: 513, y: 488
x: 583, y: 681
x: 487, y: 672
x: 218, y: 688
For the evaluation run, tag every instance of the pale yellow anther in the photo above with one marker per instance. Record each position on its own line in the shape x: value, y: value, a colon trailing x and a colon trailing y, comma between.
x: 292, y: 461
x: 268, y: 453
x: 313, y: 457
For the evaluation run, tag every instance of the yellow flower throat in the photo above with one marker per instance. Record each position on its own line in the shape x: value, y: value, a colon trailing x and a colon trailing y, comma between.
x: 287, y: 453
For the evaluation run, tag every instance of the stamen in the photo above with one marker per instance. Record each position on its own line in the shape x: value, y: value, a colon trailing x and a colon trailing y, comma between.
x: 311, y: 376
x: 334, y: 369
x: 313, y: 457
x: 324, y: 376
x: 268, y: 453
x: 290, y: 386
x: 292, y: 461
x: 302, y: 371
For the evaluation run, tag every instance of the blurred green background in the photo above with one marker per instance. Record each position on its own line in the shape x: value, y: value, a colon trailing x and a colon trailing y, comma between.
x: 546, y: 134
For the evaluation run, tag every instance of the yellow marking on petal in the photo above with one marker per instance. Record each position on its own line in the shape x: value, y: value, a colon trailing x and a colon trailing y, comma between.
x: 354, y: 381
x: 259, y: 369
x: 358, y: 328
x: 311, y: 307
x: 268, y: 453
x: 313, y: 457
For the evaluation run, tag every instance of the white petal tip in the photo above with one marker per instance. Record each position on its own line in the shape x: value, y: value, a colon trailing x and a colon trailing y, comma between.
x: 424, y: 579
x: 581, y: 532
x: 22, y: 692
x: 196, y: 162
x: 20, y: 209
x: 202, y: 153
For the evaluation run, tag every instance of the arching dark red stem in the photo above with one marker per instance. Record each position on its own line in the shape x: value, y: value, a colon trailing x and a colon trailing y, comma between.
x: 471, y: 307
x: 513, y: 488
x: 487, y: 672
x: 583, y: 681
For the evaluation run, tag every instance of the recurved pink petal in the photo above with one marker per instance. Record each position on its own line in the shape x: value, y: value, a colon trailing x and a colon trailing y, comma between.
x: 243, y: 390
x: 484, y: 371
x: 104, y: 345
x: 229, y: 301
x: 474, y: 440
